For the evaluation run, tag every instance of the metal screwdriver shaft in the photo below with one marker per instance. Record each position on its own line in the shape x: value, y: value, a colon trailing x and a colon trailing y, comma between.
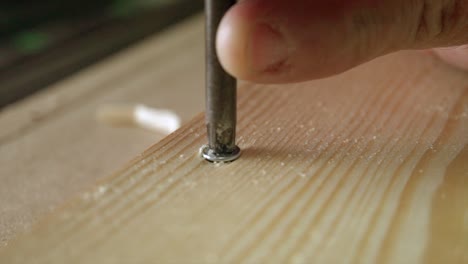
x: 220, y: 92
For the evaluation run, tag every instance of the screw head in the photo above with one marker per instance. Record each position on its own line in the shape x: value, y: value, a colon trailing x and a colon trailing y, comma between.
x: 212, y: 156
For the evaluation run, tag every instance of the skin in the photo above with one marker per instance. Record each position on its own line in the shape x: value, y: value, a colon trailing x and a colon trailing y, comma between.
x: 279, y: 41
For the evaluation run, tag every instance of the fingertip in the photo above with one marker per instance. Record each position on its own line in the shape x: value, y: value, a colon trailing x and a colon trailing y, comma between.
x: 273, y: 41
x: 456, y: 56
x: 249, y: 46
x: 231, y: 43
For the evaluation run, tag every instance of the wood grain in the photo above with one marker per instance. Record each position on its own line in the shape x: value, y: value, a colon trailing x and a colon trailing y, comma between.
x: 366, y: 167
x: 51, y: 146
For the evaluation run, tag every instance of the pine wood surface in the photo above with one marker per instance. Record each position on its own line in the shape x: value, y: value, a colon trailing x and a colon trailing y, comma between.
x: 370, y: 166
x: 51, y: 145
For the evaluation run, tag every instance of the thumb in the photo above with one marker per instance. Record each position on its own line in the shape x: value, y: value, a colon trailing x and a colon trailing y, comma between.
x: 277, y: 41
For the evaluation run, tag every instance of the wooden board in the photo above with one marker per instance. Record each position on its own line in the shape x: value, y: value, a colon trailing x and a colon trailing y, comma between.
x: 52, y: 147
x: 367, y: 167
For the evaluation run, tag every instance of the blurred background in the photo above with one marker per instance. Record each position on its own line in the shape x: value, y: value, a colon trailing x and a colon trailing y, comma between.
x: 44, y: 41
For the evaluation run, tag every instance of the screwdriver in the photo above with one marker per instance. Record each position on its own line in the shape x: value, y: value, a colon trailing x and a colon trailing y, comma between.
x: 220, y: 92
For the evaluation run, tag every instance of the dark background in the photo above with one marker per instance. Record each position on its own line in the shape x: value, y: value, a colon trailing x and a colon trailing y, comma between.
x: 44, y: 41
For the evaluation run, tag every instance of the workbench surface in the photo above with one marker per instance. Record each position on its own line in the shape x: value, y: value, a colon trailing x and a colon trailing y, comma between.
x: 51, y: 145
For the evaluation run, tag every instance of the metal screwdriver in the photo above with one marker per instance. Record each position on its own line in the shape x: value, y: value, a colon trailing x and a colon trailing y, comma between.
x: 220, y: 92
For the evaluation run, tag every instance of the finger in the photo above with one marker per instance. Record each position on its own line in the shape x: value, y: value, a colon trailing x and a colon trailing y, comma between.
x: 457, y: 56
x: 277, y: 41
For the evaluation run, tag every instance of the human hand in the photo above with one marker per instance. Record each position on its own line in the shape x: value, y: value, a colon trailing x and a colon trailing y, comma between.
x: 279, y: 41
